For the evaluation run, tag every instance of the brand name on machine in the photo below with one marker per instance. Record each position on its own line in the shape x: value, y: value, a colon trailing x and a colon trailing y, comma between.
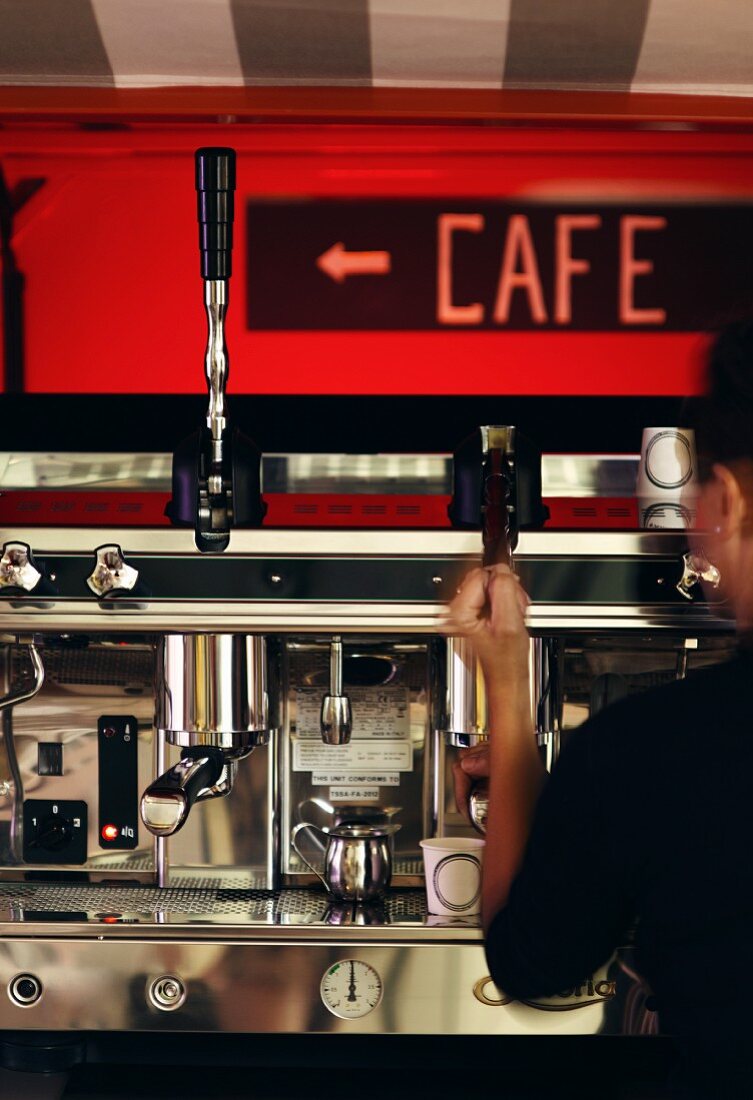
x: 586, y: 993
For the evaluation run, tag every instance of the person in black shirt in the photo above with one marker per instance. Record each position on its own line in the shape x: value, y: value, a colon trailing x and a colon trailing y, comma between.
x: 570, y: 866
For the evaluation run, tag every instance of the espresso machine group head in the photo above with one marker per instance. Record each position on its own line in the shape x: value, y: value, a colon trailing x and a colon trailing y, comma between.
x: 212, y: 701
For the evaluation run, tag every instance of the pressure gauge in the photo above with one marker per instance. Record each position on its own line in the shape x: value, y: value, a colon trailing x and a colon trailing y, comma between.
x: 351, y: 989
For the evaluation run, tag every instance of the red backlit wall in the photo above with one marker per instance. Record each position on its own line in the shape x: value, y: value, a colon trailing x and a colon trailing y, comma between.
x: 113, y: 298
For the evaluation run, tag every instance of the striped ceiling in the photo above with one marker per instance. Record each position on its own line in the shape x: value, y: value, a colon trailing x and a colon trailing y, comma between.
x: 683, y: 46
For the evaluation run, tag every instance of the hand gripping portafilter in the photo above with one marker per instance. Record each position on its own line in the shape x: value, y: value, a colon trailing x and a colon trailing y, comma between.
x: 217, y: 469
x: 497, y: 487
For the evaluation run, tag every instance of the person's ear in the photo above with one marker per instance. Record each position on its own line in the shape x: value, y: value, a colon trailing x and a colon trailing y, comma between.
x: 731, y: 512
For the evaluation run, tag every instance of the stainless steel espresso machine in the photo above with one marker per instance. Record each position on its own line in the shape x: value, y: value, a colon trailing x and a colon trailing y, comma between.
x: 160, y: 750
x: 178, y: 701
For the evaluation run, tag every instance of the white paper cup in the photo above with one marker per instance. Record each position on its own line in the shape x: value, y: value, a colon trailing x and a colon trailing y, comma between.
x: 657, y: 513
x: 667, y: 484
x: 453, y: 875
x: 668, y: 463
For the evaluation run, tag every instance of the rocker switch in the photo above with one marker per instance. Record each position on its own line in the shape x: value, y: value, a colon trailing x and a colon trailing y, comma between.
x: 50, y: 758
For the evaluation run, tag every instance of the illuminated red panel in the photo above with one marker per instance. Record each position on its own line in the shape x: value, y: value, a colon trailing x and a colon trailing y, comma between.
x: 114, y: 298
x: 22, y: 509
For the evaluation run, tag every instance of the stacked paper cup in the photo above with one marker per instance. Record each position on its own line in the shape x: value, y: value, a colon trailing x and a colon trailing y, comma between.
x: 666, y: 487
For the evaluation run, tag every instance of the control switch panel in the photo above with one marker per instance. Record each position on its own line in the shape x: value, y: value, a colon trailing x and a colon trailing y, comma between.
x: 117, y: 745
x: 55, y: 831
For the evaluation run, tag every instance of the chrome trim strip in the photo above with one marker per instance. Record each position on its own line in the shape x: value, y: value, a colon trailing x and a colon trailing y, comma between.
x: 277, y: 616
x: 231, y: 616
x: 227, y: 932
x: 562, y: 475
x: 299, y: 543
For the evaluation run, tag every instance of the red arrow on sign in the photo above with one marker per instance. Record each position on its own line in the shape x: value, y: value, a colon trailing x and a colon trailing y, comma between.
x: 338, y: 264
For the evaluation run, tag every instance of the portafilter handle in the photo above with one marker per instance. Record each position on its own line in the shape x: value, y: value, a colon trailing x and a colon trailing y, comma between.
x: 167, y: 801
x: 499, y: 521
x: 466, y: 717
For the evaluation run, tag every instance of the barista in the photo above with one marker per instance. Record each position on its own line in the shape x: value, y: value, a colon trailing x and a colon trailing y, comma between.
x: 647, y: 819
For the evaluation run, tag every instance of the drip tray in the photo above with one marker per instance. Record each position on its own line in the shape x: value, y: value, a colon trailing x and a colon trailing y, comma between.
x: 59, y: 903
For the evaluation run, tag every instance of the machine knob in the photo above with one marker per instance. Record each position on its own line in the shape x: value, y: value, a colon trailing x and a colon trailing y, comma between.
x: 18, y: 568
x: 25, y: 990
x: 167, y: 992
x: 53, y: 835
x: 478, y: 807
x: 697, y: 568
x: 112, y: 575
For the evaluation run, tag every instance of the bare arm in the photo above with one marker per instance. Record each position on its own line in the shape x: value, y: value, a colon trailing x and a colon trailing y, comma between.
x: 490, y: 609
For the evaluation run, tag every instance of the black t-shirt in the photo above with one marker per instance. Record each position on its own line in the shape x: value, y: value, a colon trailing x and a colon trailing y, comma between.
x: 647, y: 820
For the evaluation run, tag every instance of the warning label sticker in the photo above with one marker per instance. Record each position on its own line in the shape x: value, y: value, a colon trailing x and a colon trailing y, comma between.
x: 313, y: 756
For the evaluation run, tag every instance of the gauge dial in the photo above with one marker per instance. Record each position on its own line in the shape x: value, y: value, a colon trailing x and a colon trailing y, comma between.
x: 351, y: 988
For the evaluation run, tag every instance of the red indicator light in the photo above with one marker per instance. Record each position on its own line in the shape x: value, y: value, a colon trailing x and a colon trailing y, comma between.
x: 110, y: 832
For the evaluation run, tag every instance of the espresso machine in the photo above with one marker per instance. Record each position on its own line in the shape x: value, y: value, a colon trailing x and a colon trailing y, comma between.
x: 160, y: 751
x: 179, y: 700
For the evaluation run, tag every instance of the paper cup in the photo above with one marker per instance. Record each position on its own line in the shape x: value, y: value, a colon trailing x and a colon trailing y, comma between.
x: 453, y: 875
x: 666, y: 487
x: 668, y: 463
x: 658, y: 513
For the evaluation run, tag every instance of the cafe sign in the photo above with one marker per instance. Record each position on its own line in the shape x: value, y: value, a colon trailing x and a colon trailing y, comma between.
x: 464, y: 265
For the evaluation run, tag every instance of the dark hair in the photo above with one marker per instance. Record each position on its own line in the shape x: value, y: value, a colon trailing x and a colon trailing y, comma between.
x: 723, y: 418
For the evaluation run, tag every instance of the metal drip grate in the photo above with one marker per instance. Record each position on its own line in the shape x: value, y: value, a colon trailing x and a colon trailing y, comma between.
x: 306, y: 906
x: 138, y: 861
x: 31, y: 900
x: 128, y: 666
x: 404, y: 865
x: 227, y: 882
x: 407, y: 905
x: 133, y: 899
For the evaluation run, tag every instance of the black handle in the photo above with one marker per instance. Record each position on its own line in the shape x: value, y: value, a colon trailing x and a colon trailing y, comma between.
x: 215, y: 184
x: 498, y: 533
x: 190, y: 781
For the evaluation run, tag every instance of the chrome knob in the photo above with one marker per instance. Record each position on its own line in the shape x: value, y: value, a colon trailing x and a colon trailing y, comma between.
x: 25, y: 990
x: 167, y: 992
x: 111, y: 573
x: 18, y: 568
x: 697, y: 568
x: 478, y: 808
x: 336, y: 720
